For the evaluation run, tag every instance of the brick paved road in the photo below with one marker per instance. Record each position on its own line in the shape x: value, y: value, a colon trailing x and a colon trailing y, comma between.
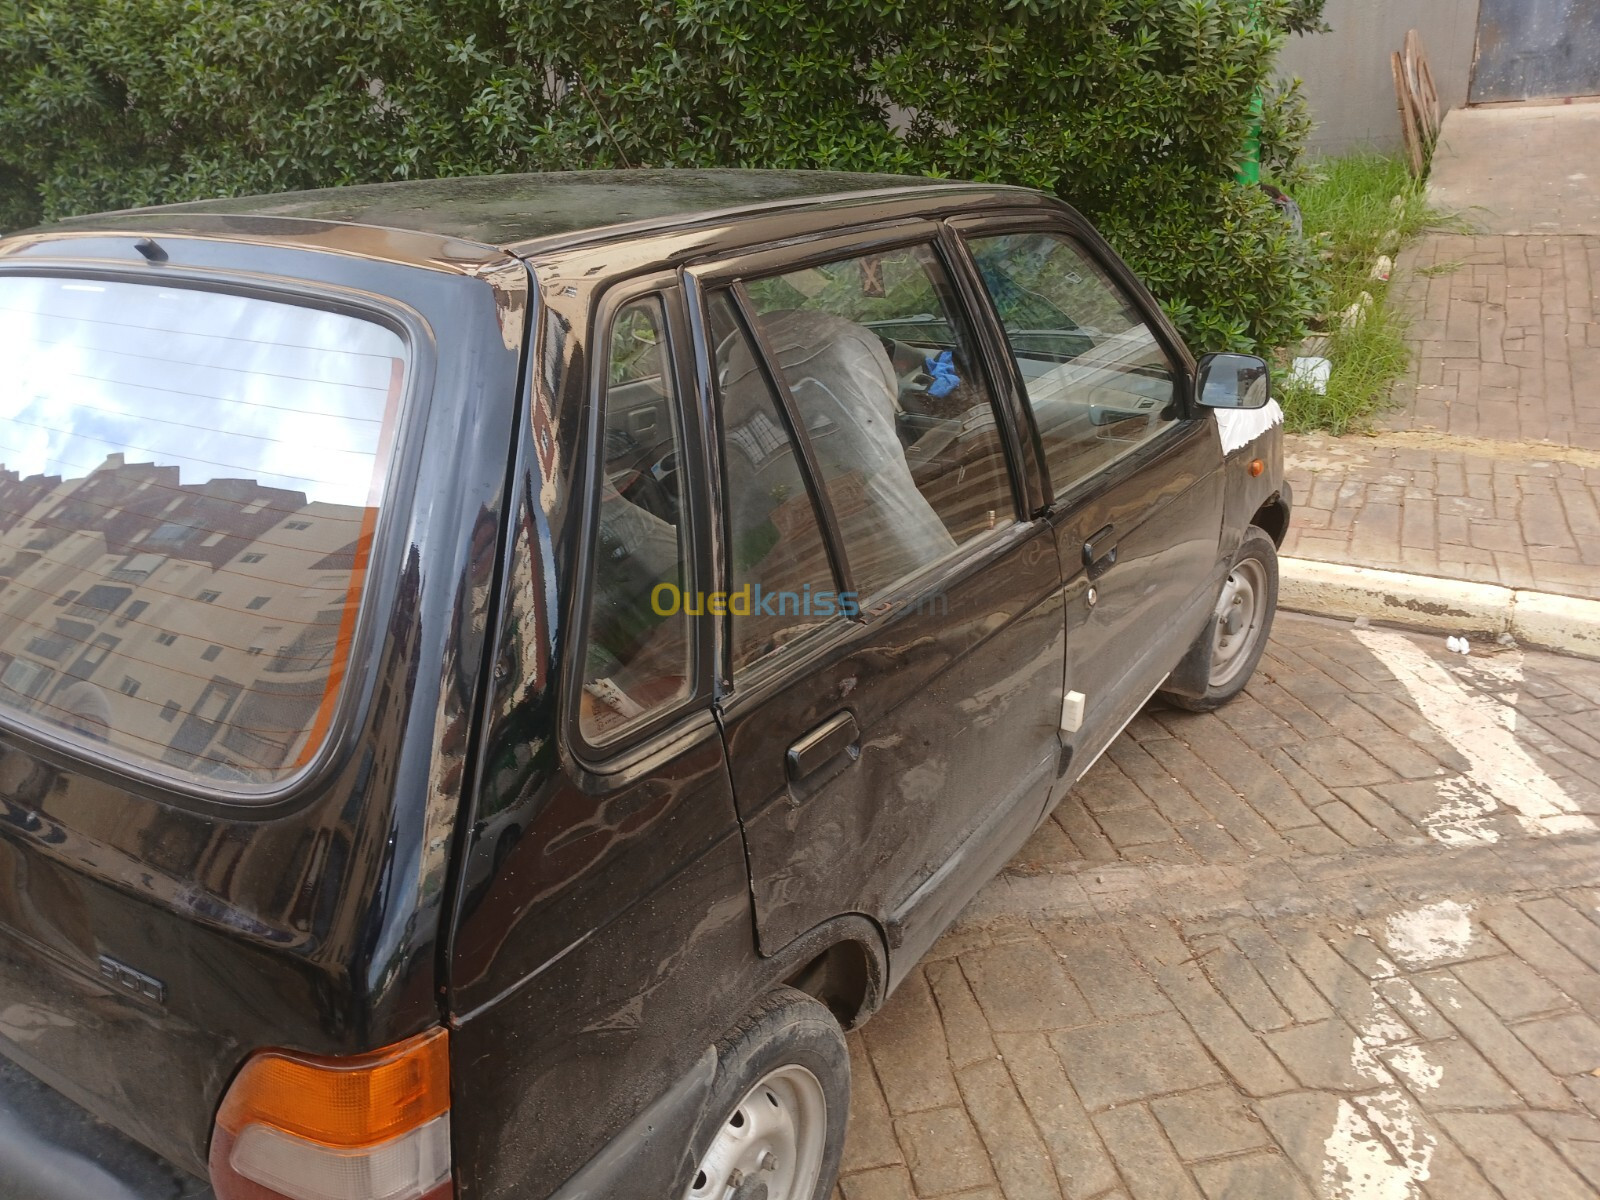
x: 1488, y: 466
x: 1340, y: 939
x: 1514, y: 514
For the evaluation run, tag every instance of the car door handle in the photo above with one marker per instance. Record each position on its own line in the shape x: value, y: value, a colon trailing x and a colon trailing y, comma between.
x: 837, y: 735
x: 1100, y: 552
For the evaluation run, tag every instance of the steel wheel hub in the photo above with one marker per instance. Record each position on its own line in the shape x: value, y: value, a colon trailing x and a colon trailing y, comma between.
x: 771, y: 1145
x: 1240, y: 613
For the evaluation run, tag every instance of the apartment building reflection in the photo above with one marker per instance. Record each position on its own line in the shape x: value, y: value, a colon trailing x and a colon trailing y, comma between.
x: 193, y: 625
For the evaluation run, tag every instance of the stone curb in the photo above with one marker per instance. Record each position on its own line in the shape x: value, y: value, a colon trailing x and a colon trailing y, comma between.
x: 1450, y: 606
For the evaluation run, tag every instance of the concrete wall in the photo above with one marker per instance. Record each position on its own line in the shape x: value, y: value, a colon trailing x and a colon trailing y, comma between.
x: 1346, y: 71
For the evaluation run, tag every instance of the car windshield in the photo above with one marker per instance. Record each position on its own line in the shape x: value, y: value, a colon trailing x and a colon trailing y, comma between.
x: 189, y: 485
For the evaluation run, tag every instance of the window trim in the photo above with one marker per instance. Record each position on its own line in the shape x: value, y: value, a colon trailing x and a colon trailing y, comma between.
x: 662, y: 726
x: 810, y: 471
x: 1099, y: 252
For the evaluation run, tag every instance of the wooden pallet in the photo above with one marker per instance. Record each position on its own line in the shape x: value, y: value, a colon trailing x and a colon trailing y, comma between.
x: 1417, y: 100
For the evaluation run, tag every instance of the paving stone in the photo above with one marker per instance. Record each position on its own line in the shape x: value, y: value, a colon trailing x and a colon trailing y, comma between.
x: 1149, y: 1167
x: 1149, y: 936
x: 908, y: 1051
x: 1293, y: 990
x: 1403, y: 997
x: 1209, y: 1123
x: 943, y: 1151
x: 1563, y: 1127
x: 1022, y: 986
x: 1106, y: 789
x: 1339, y: 762
x: 1106, y: 973
x: 886, y: 1183
x: 1329, y: 1056
x: 1250, y: 1177
x: 1169, y: 796
x: 1081, y: 1164
x: 1585, y: 1157
x: 1018, y: 1156
x: 1236, y: 979
x: 1362, y: 953
x: 1133, y: 1059
x: 1478, y: 1024
x: 870, y: 1142
x: 1378, y: 813
x: 1567, y: 1045
x: 1568, y: 926
x: 1075, y: 821
x: 1513, y: 1158
x: 1226, y: 808
x: 966, y: 1032
x: 1304, y: 1122
x: 1350, y: 993
x: 1242, y: 1055
x: 1509, y: 986
x: 1134, y: 826
x: 1448, y: 1074
x: 1452, y: 1175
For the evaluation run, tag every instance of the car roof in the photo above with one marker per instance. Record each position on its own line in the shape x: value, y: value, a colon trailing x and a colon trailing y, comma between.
x: 514, y: 211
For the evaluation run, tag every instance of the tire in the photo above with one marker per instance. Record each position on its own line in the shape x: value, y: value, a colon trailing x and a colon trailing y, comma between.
x: 1249, y: 600
x: 775, y: 1119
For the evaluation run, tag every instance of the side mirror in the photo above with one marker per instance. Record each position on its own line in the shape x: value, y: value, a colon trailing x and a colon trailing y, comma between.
x: 1233, y: 381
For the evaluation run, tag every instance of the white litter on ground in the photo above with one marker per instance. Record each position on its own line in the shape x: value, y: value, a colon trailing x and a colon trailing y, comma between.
x: 1311, y: 372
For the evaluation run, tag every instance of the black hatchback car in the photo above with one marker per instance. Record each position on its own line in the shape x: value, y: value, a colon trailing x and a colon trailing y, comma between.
x: 496, y: 675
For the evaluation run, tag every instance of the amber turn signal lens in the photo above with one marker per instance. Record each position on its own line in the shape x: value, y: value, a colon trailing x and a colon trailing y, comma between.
x: 356, y: 1101
x: 1256, y: 467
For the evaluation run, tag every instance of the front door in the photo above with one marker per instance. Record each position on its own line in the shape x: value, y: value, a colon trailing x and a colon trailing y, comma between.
x: 894, y: 628
x: 1136, y: 478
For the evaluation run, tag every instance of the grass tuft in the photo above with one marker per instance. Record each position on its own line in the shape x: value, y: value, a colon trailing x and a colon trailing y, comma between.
x: 1358, y: 206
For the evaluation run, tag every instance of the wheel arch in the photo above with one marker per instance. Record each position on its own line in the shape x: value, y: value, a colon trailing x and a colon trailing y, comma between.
x: 843, y: 963
x: 1273, y: 518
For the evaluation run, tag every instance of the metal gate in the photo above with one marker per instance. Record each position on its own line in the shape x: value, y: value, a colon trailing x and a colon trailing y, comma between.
x: 1536, y: 49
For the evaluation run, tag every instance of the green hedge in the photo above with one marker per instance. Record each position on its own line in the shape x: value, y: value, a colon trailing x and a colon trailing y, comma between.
x: 1133, y: 110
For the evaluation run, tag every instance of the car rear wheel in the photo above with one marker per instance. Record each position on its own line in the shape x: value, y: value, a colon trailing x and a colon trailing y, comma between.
x: 1244, y: 613
x: 776, y: 1116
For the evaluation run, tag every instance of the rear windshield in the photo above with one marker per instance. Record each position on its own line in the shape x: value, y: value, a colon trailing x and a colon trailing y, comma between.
x: 189, y: 483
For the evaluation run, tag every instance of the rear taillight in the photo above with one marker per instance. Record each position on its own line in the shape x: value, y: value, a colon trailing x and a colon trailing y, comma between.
x: 368, y: 1127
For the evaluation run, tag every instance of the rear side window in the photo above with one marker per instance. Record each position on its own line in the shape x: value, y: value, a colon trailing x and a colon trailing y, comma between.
x: 189, y: 485
x: 637, y: 658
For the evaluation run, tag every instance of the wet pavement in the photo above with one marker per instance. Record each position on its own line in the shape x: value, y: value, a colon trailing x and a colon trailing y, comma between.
x: 1339, y: 939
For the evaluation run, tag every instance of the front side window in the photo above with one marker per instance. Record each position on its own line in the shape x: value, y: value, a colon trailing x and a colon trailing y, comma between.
x: 637, y: 657
x: 886, y: 382
x: 1097, y: 379
x: 156, y: 445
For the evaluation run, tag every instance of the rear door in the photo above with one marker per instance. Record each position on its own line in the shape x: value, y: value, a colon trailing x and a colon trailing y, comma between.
x: 1134, y: 475
x: 893, y: 636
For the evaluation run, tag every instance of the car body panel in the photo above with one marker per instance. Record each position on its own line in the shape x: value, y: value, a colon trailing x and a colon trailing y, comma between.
x: 586, y: 924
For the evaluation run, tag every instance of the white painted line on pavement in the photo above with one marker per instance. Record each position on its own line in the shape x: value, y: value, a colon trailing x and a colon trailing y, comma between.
x: 1424, y: 935
x: 1500, y: 772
